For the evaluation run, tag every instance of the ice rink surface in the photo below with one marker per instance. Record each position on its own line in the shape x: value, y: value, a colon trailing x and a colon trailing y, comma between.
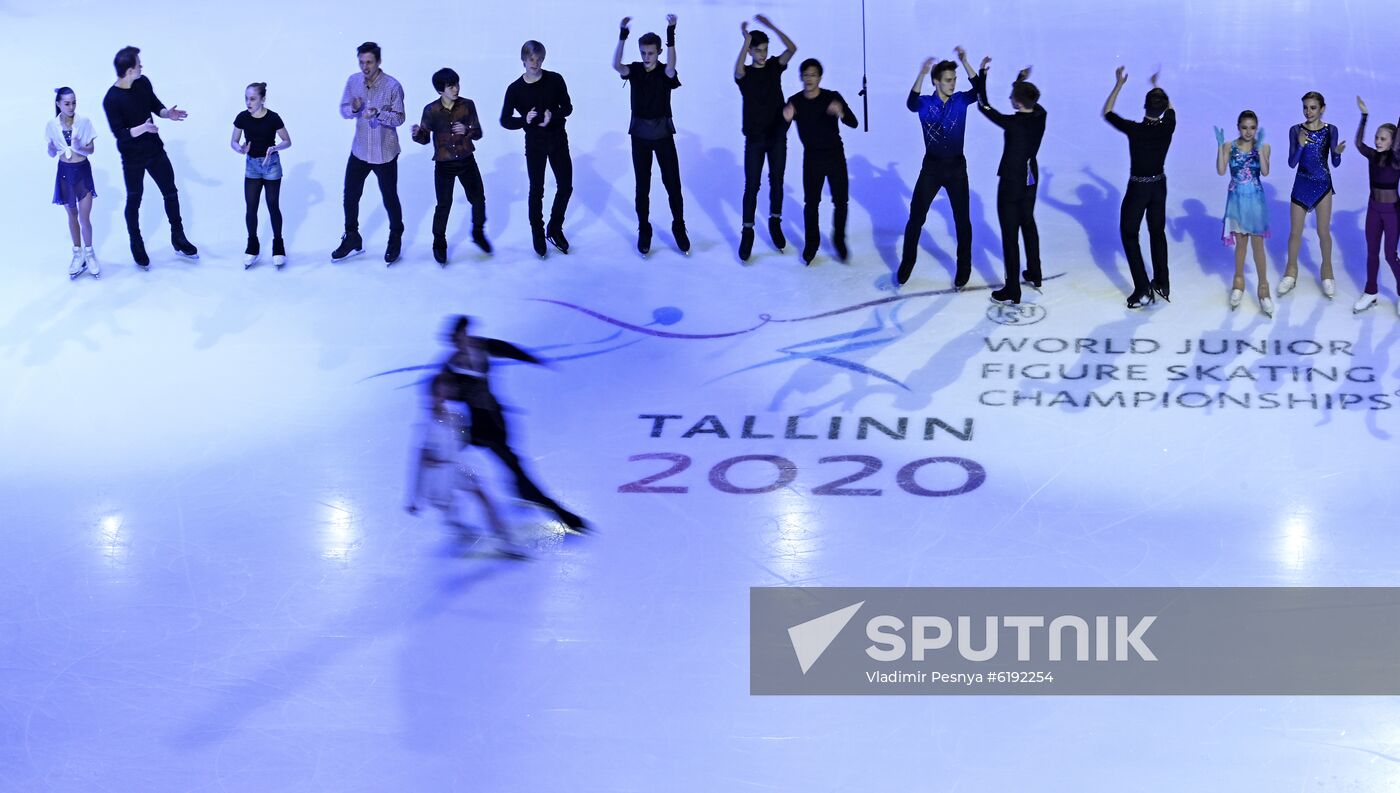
x: 208, y: 578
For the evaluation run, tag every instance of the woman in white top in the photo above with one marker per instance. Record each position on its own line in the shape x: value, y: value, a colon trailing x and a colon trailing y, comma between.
x: 441, y: 468
x: 70, y: 138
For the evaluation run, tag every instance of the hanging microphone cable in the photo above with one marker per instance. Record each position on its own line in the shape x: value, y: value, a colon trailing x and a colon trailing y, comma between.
x: 864, y: 80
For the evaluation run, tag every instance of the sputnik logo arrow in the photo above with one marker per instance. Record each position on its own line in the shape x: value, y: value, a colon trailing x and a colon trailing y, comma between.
x: 811, y: 638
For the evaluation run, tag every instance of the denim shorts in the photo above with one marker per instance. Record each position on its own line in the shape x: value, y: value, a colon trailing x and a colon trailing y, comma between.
x: 254, y: 168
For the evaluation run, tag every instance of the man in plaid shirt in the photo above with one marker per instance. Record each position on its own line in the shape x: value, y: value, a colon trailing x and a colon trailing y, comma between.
x: 375, y: 101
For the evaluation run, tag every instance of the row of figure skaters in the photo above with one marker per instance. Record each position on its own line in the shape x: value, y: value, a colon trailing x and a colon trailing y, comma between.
x: 538, y: 103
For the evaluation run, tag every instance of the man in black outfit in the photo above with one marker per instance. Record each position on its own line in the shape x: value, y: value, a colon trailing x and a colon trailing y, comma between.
x: 467, y: 373
x: 538, y: 102
x: 1148, y: 141
x: 816, y: 112
x: 1018, y: 175
x: 652, y: 130
x: 129, y: 104
x: 765, y: 129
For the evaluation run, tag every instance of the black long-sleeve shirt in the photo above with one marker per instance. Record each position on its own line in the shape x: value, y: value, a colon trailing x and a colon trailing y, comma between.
x: 436, y: 127
x: 1148, y: 141
x: 815, y: 126
x: 472, y: 384
x: 547, y: 93
x: 131, y: 107
x: 1021, y: 134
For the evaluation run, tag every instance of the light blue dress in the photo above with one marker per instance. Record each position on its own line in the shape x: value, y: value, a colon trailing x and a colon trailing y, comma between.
x: 1246, y: 211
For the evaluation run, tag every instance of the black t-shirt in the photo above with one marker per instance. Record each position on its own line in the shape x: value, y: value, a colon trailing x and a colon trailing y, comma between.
x: 1148, y: 141
x: 762, y: 89
x: 132, y: 107
x: 260, y: 132
x: 815, y: 126
x: 547, y: 93
x: 651, y: 90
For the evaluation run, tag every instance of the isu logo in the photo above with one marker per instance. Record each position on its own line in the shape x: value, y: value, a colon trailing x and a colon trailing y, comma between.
x: 1024, y: 314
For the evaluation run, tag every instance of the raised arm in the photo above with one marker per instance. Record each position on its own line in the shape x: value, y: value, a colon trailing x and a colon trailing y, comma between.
x: 743, y: 51
x: 789, y: 48
x: 962, y: 58
x: 979, y: 84
x: 1263, y: 157
x: 913, y: 103
x: 670, y: 45
x: 1222, y: 152
x: 1366, y: 151
x: 1121, y: 75
x: 1337, y: 148
x: 617, y: 64
x: 1361, y: 146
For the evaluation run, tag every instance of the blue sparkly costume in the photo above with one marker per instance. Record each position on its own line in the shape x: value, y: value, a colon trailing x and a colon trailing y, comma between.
x: 1314, y: 179
x: 1246, y: 211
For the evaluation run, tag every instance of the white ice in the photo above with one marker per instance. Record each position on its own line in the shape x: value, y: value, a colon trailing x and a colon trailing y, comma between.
x: 207, y: 576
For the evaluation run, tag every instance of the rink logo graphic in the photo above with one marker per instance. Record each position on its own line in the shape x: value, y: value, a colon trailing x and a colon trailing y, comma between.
x: 877, y: 325
x: 811, y: 638
x: 1074, y: 641
x: 1219, y: 372
x: 1023, y: 314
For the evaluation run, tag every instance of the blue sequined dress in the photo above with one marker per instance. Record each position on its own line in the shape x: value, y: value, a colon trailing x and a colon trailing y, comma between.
x: 1313, y: 181
x: 1246, y: 212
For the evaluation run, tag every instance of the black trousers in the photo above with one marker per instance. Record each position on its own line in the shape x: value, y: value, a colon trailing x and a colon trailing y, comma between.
x: 356, y: 172
x: 1145, y: 199
x: 489, y: 432
x: 827, y: 167
x: 445, y: 174
x: 134, y: 170
x: 773, y: 148
x: 664, y: 149
x: 553, y: 150
x: 1016, y: 216
x: 936, y: 175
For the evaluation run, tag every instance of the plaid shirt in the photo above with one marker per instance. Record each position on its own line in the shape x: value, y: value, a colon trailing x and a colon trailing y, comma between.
x: 436, y: 126
x: 376, y: 136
